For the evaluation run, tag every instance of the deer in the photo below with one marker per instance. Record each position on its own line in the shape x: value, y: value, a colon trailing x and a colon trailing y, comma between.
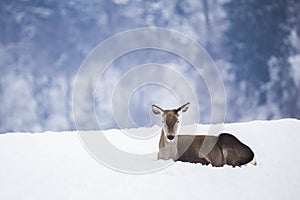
x: 224, y: 149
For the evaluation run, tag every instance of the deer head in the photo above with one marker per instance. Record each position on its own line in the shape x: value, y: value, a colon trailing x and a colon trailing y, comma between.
x: 170, y: 120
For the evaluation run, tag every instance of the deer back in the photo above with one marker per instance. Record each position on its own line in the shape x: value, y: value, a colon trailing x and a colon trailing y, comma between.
x: 234, y: 151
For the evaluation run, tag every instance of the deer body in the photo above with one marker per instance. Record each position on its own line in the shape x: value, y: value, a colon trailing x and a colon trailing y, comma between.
x: 214, y: 150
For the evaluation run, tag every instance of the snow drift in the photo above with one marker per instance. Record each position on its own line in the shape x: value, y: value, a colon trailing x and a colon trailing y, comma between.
x: 56, y: 166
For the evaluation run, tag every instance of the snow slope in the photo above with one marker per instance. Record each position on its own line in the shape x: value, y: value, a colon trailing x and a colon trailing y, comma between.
x: 56, y: 166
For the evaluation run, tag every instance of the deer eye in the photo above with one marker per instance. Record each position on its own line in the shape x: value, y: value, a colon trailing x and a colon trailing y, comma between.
x: 162, y: 121
x: 177, y: 121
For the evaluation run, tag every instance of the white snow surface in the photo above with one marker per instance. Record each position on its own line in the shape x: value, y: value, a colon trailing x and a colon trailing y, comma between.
x: 56, y: 166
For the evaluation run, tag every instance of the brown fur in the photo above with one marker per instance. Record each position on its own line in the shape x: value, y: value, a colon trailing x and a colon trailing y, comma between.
x: 214, y: 150
x: 236, y: 153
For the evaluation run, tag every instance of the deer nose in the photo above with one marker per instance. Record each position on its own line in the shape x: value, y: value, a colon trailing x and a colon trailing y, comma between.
x: 170, y: 137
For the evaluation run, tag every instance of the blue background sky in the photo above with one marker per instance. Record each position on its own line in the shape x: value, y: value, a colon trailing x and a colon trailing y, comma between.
x: 255, y: 45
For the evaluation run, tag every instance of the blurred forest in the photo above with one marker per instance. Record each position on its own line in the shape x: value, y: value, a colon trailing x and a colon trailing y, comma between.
x: 255, y: 44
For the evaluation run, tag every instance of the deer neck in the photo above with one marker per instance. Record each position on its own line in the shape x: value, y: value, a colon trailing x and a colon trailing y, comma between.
x: 167, y: 149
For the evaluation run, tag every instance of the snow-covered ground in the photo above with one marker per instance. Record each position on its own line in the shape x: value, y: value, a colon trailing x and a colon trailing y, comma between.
x: 57, y: 166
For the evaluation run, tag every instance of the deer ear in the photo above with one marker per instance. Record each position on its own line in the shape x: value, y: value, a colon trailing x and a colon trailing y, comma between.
x: 183, y: 108
x: 157, y: 110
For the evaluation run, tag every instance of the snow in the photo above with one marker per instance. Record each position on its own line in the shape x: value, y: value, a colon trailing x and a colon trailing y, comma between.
x: 56, y: 166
